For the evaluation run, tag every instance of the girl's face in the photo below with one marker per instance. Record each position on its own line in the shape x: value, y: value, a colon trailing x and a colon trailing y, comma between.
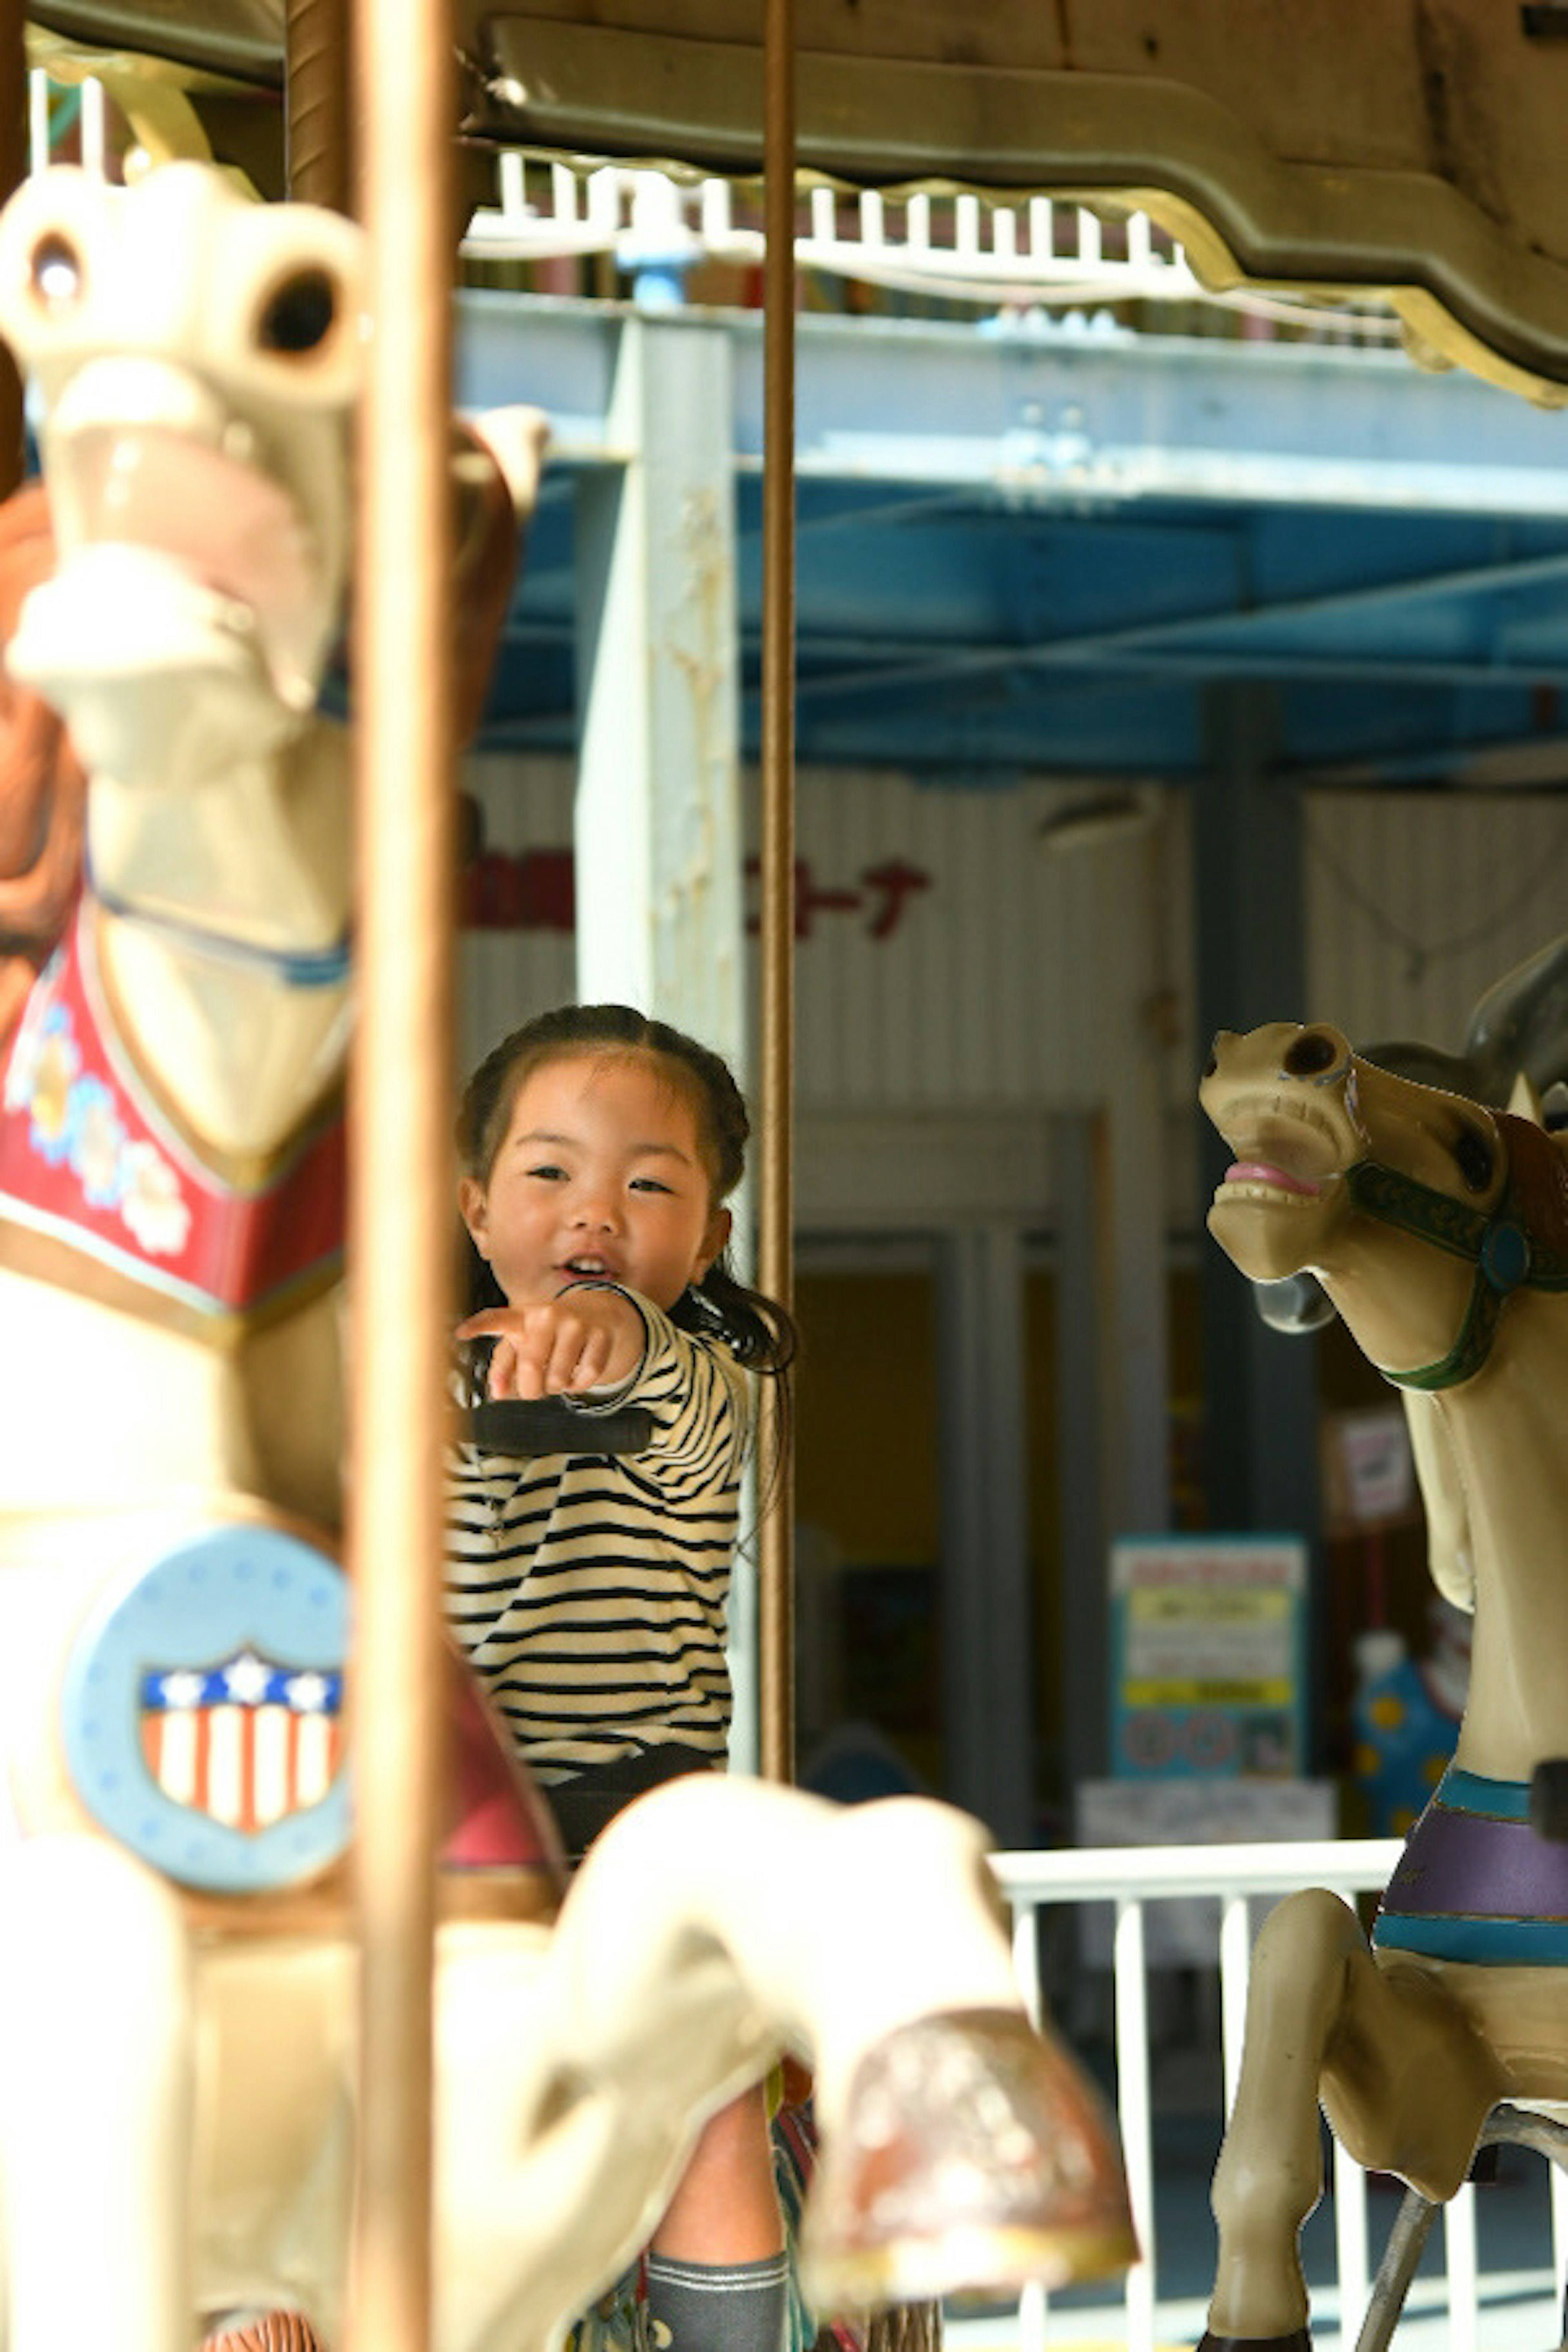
x: 600, y: 1176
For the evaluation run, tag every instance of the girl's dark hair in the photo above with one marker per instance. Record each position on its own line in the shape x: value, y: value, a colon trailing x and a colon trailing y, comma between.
x: 759, y: 1331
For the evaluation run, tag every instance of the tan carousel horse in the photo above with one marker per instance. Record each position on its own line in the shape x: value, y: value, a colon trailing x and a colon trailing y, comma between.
x: 1439, y: 1229
x: 177, y: 1975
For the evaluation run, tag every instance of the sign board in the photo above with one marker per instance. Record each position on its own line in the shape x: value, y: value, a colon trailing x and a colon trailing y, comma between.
x: 1209, y: 1657
x: 1182, y: 1930
x: 1369, y: 1471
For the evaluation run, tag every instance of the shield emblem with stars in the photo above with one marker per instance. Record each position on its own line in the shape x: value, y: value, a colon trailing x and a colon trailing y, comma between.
x: 248, y: 1741
x: 203, y: 1711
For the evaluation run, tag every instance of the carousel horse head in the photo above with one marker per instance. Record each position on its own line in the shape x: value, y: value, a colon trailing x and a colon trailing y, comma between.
x: 1344, y: 1170
x: 1515, y: 1053
x: 196, y: 442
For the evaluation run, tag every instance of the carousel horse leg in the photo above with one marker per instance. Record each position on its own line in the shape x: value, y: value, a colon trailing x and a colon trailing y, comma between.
x: 870, y: 1939
x: 96, y: 2085
x: 1405, y: 2080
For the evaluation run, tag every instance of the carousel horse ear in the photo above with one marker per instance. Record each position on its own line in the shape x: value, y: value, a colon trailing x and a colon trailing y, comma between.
x: 1524, y: 1101
x: 496, y: 462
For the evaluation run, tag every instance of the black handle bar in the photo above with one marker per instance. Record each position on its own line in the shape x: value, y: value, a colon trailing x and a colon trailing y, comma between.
x: 529, y: 1425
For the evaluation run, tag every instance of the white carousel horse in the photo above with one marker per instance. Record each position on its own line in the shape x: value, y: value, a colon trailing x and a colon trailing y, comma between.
x: 1438, y: 1228
x: 177, y: 2020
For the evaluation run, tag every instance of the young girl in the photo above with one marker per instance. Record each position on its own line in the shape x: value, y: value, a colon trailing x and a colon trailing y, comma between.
x: 599, y: 1148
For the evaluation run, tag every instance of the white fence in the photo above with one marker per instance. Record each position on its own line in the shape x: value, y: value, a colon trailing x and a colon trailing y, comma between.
x: 1131, y: 1879
x: 1040, y: 252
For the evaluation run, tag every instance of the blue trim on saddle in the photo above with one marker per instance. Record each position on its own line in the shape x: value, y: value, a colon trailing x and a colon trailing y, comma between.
x: 1470, y: 1792
x: 1476, y: 1882
x: 1487, y: 1943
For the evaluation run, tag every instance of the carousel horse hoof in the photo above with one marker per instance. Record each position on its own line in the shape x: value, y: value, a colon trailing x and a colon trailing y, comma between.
x: 972, y: 2157
x: 1296, y: 2341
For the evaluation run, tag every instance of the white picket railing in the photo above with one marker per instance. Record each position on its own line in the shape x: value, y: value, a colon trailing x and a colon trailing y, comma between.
x: 1132, y: 1878
x: 1034, y: 253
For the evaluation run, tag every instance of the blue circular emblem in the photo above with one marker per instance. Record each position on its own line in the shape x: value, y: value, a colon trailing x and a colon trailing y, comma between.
x: 203, y: 1711
x: 1505, y: 1257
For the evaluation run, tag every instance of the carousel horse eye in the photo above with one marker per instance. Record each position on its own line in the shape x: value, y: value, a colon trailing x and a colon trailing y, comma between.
x: 57, y: 270
x: 1310, y: 1053
x: 299, y: 314
x: 1474, y: 1158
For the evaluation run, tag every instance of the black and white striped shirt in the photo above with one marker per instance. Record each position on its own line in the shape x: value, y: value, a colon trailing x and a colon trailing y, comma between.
x: 589, y: 1591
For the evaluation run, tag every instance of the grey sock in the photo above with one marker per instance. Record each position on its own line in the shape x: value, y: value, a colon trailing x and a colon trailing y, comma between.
x: 716, y: 2306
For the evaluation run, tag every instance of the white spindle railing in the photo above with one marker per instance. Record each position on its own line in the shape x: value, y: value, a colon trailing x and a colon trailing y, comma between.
x: 1130, y: 1879
x: 1039, y: 252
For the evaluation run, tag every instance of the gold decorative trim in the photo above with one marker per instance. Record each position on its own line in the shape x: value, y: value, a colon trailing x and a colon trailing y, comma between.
x: 48, y: 1258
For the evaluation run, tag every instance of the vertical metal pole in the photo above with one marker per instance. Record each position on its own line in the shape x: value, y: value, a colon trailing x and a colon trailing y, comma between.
x: 401, y: 1082
x: 13, y: 170
x: 318, y: 149
x: 775, y: 1269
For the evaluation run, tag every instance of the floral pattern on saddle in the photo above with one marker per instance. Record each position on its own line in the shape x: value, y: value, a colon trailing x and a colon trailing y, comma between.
x: 89, y: 1161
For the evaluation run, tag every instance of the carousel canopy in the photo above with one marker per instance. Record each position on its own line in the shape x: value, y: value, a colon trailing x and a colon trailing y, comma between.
x: 1412, y: 148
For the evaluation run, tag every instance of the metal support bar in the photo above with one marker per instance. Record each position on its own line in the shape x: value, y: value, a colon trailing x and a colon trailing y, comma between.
x: 318, y: 149
x: 400, y: 1191
x: 1249, y: 920
x: 1084, y: 1606
x: 13, y: 170
x: 776, y: 1218
x: 657, y: 816
x: 1131, y: 1270
x: 986, y: 1603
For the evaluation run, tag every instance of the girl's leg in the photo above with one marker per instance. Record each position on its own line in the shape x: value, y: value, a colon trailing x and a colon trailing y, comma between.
x: 718, y: 2275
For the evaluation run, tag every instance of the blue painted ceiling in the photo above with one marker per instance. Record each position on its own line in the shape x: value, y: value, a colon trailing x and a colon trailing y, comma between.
x: 1384, y: 551
x: 954, y: 634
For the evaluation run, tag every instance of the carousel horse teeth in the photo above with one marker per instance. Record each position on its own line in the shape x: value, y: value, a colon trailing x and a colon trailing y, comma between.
x: 972, y: 2158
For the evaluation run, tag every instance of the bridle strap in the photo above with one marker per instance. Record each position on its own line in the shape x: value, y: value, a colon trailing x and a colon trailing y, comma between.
x: 326, y: 967
x: 1498, y: 1242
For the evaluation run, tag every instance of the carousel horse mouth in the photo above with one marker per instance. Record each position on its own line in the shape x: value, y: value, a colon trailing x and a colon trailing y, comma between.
x: 160, y: 489
x: 1259, y: 1180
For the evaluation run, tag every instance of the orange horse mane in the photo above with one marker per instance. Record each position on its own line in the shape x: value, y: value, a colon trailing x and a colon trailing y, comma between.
x: 43, y: 789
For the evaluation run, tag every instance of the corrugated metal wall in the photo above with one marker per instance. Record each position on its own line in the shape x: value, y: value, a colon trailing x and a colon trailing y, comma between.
x: 985, y: 991
x: 945, y: 960
x: 508, y: 974
x: 1416, y: 903
x: 948, y: 961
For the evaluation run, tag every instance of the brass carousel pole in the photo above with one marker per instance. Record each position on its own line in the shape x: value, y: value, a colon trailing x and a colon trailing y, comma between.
x: 318, y: 145
x: 13, y: 171
x: 776, y: 1252
x: 400, y: 1203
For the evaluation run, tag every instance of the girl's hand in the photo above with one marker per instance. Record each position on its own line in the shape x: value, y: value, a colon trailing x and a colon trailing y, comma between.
x: 586, y: 1339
